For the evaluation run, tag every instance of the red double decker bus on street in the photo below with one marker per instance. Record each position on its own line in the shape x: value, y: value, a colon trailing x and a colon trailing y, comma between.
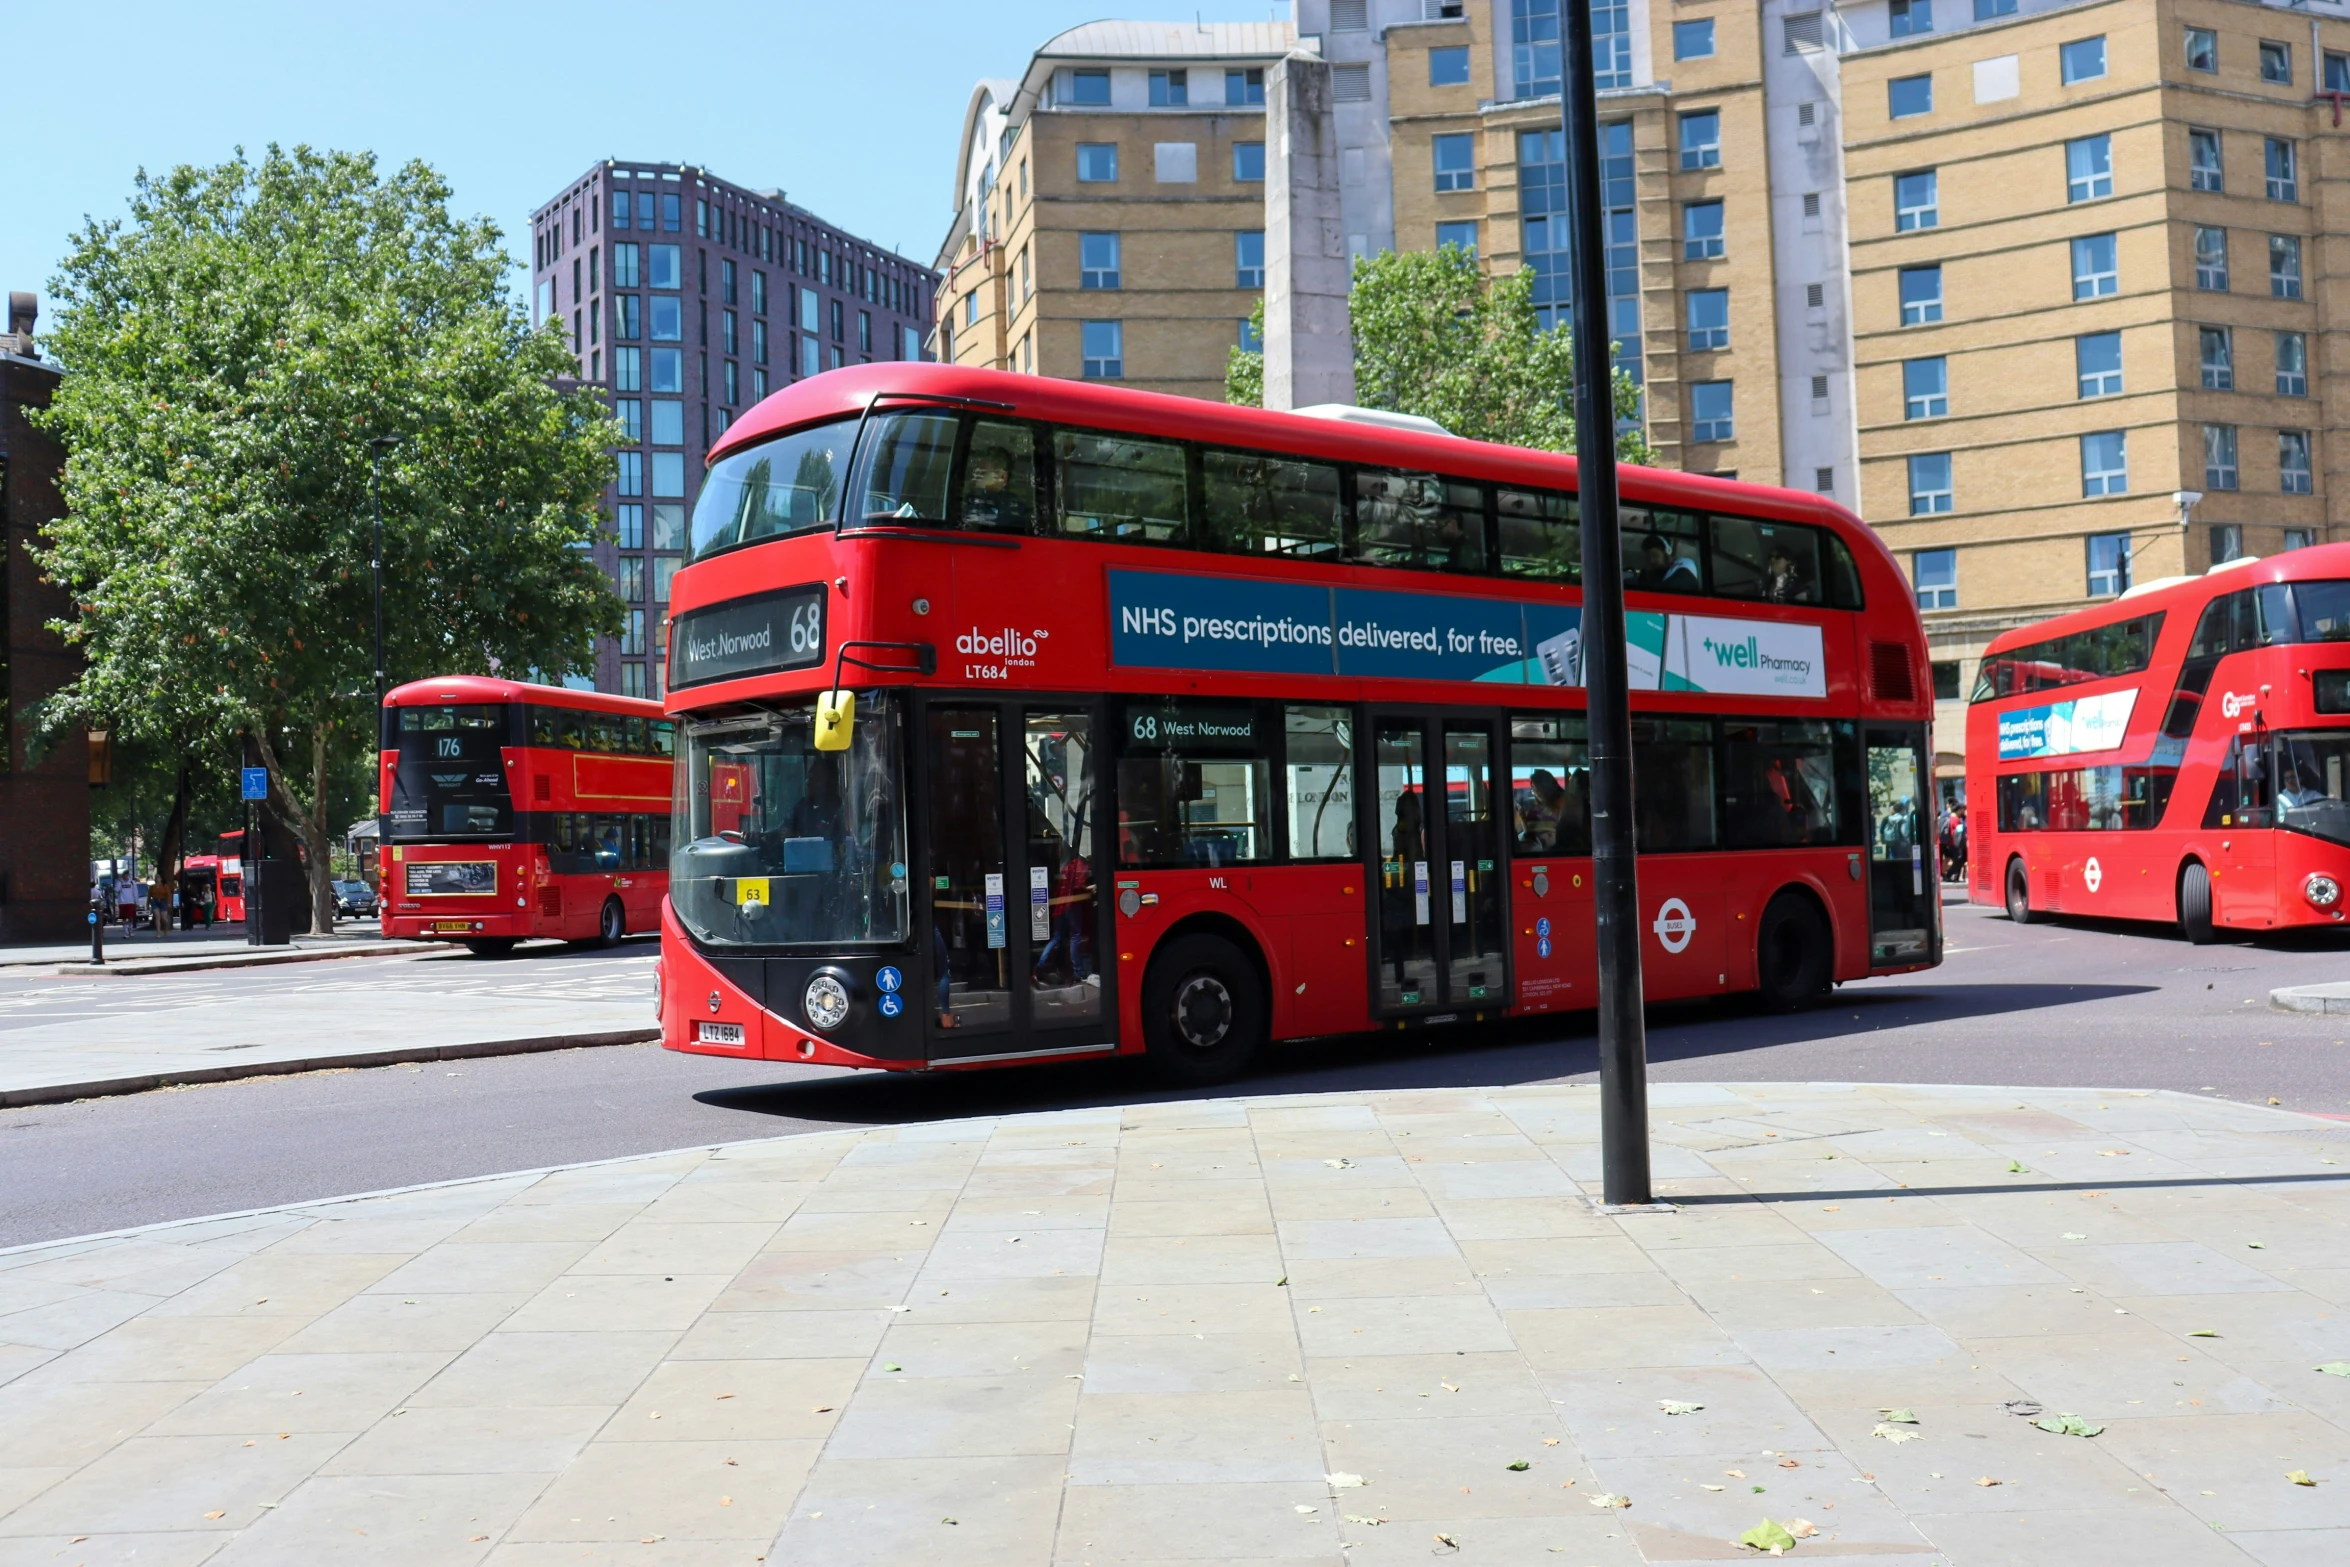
x: 512, y: 810
x: 2174, y: 754
x: 1179, y: 727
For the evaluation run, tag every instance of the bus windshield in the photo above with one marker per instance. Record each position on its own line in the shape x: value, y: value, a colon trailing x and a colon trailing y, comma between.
x: 451, y: 778
x: 2313, y: 791
x: 779, y: 843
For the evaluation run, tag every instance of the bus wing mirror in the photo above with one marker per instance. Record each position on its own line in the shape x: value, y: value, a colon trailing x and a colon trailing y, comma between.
x: 836, y: 719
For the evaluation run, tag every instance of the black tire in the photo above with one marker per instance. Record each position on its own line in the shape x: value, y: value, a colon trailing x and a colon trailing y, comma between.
x: 1794, y: 956
x: 2019, y: 894
x: 1203, y: 1010
x: 611, y: 923
x: 2195, y: 905
x: 490, y: 946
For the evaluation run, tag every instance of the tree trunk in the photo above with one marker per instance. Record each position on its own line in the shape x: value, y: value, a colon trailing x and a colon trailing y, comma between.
x: 167, y: 854
x: 308, y: 822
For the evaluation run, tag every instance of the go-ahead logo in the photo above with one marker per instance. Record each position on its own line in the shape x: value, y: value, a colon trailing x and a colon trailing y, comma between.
x: 1674, y: 925
x: 2234, y: 704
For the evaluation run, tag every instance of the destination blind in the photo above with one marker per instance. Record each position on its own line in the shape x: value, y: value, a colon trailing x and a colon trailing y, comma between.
x: 783, y: 629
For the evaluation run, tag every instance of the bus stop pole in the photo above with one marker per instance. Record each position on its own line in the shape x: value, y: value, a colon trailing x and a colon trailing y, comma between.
x: 1623, y: 1031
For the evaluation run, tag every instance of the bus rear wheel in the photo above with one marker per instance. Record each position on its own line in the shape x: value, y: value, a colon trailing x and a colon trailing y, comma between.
x: 611, y: 923
x: 1203, y: 1010
x: 2019, y: 894
x: 2195, y: 905
x: 490, y: 946
x: 1792, y: 961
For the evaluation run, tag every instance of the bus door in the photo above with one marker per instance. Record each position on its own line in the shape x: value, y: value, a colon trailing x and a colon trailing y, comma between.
x: 1904, y: 894
x: 1439, y: 936
x: 2243, y: 884
x: 1014, y: 916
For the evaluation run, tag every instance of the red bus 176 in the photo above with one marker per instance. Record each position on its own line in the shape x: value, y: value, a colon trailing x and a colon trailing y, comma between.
x: 2177, y: 753
x: 511, y: 811
x: 1179, y: 727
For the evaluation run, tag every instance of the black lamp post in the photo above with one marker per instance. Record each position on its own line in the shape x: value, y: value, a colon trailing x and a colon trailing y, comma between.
x: 1623, y: 1030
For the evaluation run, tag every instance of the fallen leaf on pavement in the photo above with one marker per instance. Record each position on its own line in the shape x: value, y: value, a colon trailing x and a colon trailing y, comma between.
x: 2073, y: 1235
x: 1790, y: 1463
x: 1713, y: 1487
x: 2257, y: 1245
x: 1448, y: 1542
x: 1550, y: 1441
x: 1359, y: 1518
x: 1735, y: 1474
x: 2336, y: 1368
x: 893, y: 1368
x: 1986, y: 1480
x: 216, y: 1515
x: 2015, y: 1168
x: 1896, y: 1433
x: 1343, y: 1481
x: 1769, y: 1535
x: 2203, y: 1333
x: 1449, y: 1387
x: 2068, y: 1425
x: 2028, y: 1408
x: 722, y: 1395
x: 1344, y: 1164
x: 2299, y: 1477
x: 1303, y: 1508
x: 1673, y: 1406
x: 1802, y: 1528
x: 1609, y: 1499
x: 1518, y: 1466
x: 1900, y: 1417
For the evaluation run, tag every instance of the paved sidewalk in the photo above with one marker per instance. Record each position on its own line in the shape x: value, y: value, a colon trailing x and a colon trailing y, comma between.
x: 1182, y: 1332
x: 144, y: 948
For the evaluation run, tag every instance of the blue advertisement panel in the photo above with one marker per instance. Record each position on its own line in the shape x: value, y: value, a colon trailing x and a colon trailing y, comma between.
x: 1162, y: 620
x: 2090, y: 723
x: 1429, y: 636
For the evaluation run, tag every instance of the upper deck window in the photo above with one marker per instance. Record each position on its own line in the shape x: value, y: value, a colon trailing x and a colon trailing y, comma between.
x: 2124, y: 647
x: 787, y: 485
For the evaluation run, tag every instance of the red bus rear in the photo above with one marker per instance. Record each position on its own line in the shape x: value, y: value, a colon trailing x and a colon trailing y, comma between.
x: 512, y: 810
x: 1181, y: 727
x: 2176, y: 754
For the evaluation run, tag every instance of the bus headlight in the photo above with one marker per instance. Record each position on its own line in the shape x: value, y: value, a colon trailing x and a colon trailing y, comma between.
x: 826, y: 1001
x: 2323, y: 892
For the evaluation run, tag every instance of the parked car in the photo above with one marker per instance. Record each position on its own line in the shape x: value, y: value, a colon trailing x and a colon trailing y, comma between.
x: 354, y: 900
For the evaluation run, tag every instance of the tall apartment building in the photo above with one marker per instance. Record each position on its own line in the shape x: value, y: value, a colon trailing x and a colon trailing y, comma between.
x: 687, y: 299
x: 1110, y: 207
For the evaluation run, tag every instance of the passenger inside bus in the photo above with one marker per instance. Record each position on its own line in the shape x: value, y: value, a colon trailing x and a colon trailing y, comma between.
x: 999, y: 484
x: 1663, y: 571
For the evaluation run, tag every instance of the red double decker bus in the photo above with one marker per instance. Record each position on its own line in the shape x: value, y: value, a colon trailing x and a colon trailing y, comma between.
x: 512, y: 810
x: 2176, y: 754
x: 1180, y: 727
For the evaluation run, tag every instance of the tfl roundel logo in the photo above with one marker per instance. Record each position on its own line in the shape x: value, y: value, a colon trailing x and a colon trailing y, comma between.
x: 2093, y: 874
x: 1674, y: 925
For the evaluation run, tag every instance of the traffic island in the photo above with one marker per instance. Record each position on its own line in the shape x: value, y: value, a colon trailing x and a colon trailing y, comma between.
x: 1879, y: 1323
x: 2330, y: 999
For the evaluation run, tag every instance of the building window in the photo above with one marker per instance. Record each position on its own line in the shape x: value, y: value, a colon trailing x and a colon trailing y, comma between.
x: 1248, y: 258
x: 1916, y: 201
x: 758, y: 384
x: 2292, y: 365
x: 1921, y: 295
x: 2097, y: 363
x: 632, y: 579
x: 2088, y: 168
x: 2219, y: 457
x: 668, y: 422
x: 758, y: 341
x: 1542, y: 199
x: 1104, y: 350
x: 1693, y: 40
x: 1907, y: 97
x: 2204, y: 171
x: 630, y: 524
x: 1823, y: 480
x: 1701, y: 231
x: 2082, y: 60
x: 1097, y: 261
x: 1911, y: 17
x: 726, y: 282
x: 731, y: 387
x: 1449, y: 67
x: 1925, y: 388
x: 1701, y: 139
x: 2096, y: 273
x: 970, y: 308
x: 1455, y: 159
x: 628, y: 369
x: 631, y: 414
x: 2202, y: 49
x: 668, y: 470
x: 1248, y: 162
x: 661, y: 267
x: 2283, y: 182
x: 668, y: 370
x: 1929, y: 484
x: 1252, y: 341
x: 726, y: 331
x: 1170, y: 89
x: 665, y: 318
x: 2218, y: 359
x: 1992, y: 10
x: 2284, y: 266
x: 2337, y: 72
x: 810, y: 349
x: 2211, y: 259
x: 2293, y: 461
x: 2109, y: 564
x: 1935, y: 574
x: 1709, y: 319
x: 1240, y: 87
x: 630, y: 480
x: 1460, y: 236
x: 668, y: 530
x: 2105, y: 463
x: 632, y: 640
x: 864, y: 332
x: 1710, y: 415
x: 628, y: 321
x: 2227, y: 543
x: 2276, y: 63
x: 1090, y: 89
x: 1097, y: 162
x: 2300, y: 538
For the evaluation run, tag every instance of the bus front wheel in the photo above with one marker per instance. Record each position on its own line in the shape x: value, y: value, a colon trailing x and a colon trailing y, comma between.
x: 1793, y: 964
x: 2019, y: 894
x: 611, y: 923
x: 1203, y: 1010
x: 2195, y: 904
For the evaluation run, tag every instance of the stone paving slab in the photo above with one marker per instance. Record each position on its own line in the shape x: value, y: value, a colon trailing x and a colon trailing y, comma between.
x: 1361, y: 1328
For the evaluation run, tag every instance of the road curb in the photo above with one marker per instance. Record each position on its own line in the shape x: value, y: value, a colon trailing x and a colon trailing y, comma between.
x: 2331, y: 999
x: 130, y: 967
x: 109, y: 1087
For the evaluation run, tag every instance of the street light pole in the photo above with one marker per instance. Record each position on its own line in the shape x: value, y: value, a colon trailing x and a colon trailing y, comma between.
x: 1623, y: 1030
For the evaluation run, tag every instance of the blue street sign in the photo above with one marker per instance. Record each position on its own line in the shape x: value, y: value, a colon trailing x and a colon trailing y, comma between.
x: 890, y: 981
x: 892, y: 1004
x: 256, y: 782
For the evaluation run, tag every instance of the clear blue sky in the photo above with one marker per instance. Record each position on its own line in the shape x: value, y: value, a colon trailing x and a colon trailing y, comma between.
x: 853, y: 109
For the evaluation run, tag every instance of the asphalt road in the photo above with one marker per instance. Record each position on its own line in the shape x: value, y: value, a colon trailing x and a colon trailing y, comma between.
x: 2071, y: 1004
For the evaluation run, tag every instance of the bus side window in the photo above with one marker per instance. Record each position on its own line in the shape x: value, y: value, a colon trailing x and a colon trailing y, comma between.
x: 664, y: 735
x: 637, y: 742
x: 1121, y: 488
x: 1661, y: 550
x: 999, y: 479
x: 1843, y: 575
x: 1541, y: 535
x: 2211, y: 632
x: 1777, y: 562
x: 1419, y: 520
x: 909, y: 457
x: 1550, y: 785
x: 2245, y: 614
x: 1194, y: 784
x: 2275, y: 618
x: 1256, y: 504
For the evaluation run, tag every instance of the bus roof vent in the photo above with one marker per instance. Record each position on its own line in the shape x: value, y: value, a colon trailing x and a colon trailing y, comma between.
x: 2231, y: 565
x: 1890, y: 677
x: 1353, y: 414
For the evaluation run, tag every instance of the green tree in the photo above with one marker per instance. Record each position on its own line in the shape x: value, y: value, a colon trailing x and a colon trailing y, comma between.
x: 232, y: 350
x: 1434, y: 336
